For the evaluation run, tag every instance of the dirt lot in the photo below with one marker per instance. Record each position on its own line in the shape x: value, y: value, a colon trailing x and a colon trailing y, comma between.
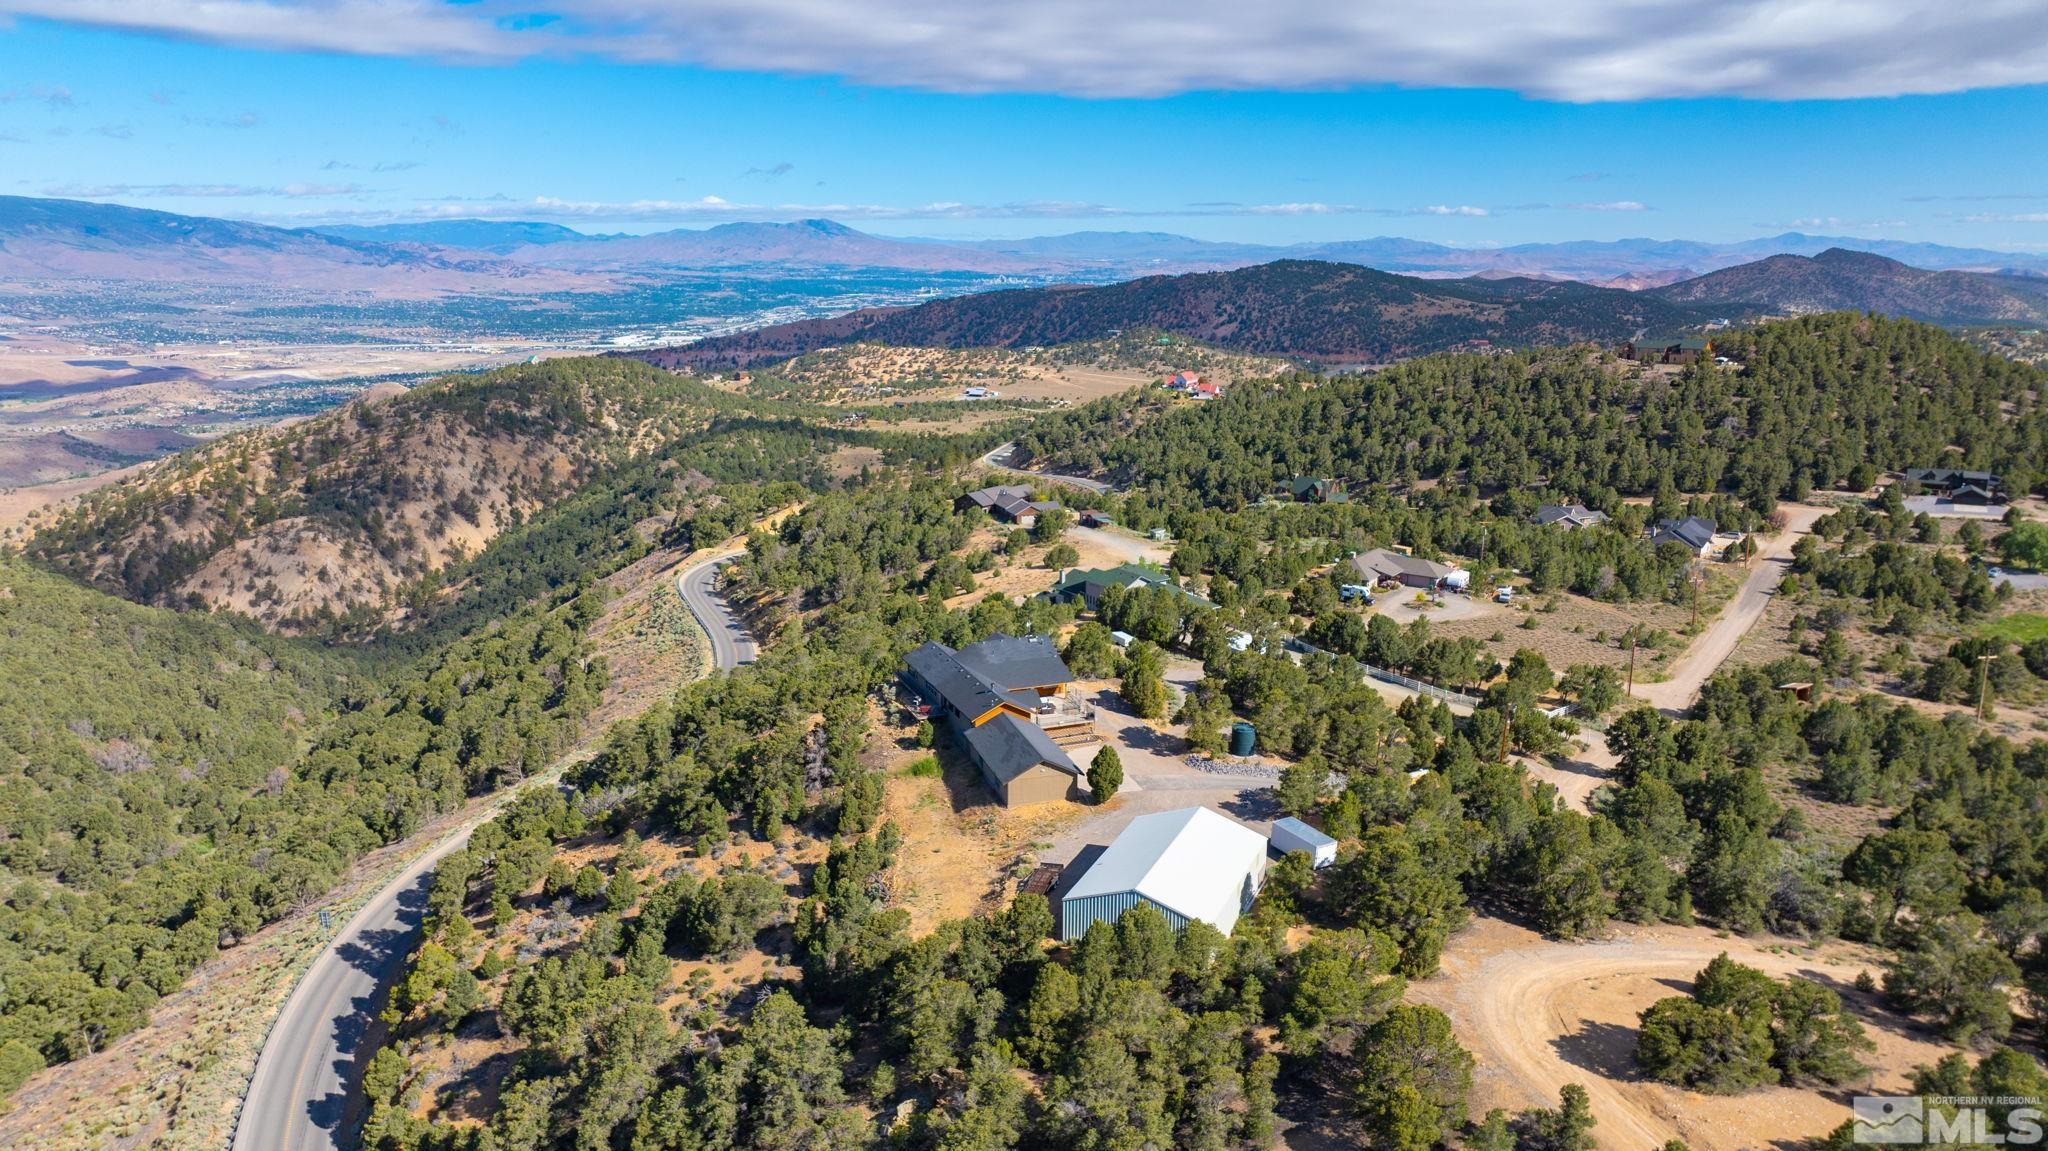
x: 1568, y: 629
x: 1539, y: 1014
x: 962, y: 853
x: 1026, y: 578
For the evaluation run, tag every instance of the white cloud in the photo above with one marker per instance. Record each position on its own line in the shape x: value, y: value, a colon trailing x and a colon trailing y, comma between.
x: 2002, y: 218
x: 56, y: 97
x: 718, y: 209
x: 198, y: 191
x: 1578, y: 50
x: 1842, y: 224
x: 1609, y: 206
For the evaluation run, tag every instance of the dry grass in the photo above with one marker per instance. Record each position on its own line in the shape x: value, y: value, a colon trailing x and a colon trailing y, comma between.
x: 962, y: 852
x: 1028, y: 576
x: 1570, y: 629
x: 859, y: 373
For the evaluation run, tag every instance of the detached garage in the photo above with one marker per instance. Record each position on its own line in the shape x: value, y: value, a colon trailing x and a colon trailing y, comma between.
x: 1291, y: 835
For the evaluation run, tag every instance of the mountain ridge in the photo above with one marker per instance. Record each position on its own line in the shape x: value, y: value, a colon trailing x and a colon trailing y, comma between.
x: 52, y: 239
x: 1840, y: 279
x: 57, y: 240
x: 1307, y: 309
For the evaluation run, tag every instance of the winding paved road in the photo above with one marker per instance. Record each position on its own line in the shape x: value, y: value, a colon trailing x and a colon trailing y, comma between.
x: 303, y: 1095
x: 998, y: 459
x: 731, y: 646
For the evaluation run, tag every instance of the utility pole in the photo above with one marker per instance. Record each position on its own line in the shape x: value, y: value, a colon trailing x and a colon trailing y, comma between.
x: 1984, y: 686
x: 1631, y: 662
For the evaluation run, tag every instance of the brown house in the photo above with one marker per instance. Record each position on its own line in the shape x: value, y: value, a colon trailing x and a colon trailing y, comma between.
x: 1004, y: 699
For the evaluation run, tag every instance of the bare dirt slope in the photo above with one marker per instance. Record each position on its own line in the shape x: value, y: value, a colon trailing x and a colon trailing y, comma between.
x: 348, y: 512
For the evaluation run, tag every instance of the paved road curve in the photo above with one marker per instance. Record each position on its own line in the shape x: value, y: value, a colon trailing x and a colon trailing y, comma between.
x: 731, y: 646
x: 999, y: 460
x: 303, y: 1095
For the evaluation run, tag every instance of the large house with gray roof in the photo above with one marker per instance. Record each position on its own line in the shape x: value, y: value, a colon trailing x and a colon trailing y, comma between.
x: 1692, y: 533
x: 1387, y: 566
x: 1568, y: 516
x: 1010, y: 502
x: 1006, y: 699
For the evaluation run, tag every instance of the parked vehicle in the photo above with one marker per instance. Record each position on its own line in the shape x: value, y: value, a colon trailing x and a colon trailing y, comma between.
x: 1354, y: 591
x: 1504, y: 594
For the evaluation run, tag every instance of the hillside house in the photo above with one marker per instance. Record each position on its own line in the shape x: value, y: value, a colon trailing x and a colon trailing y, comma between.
x: 1958, y: 485
x: 1022, y: 512
x: 1088, y: 584
x: 1183, y: 381
x: 1652, y: 352
x: 984, y: 499
x: 1190, y: 864
x: 1317, y: 490
x: 1567, y: 516
x: 1011, y: 503
x: 1693, y: 533
x: 1007, y: 700
x: 1386, y: 566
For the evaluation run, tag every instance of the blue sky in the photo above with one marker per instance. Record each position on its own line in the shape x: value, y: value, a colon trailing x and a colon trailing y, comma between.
x: 564, y: 116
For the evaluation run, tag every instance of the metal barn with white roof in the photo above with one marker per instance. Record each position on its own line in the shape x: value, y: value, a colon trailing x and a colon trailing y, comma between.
x: 1191, y: 864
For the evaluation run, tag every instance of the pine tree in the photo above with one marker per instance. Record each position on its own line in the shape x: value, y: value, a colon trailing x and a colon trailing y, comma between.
x: 1105, y: 773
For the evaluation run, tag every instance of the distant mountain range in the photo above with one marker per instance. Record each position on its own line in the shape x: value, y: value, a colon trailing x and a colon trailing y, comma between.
x: 1632, y: 263
x: 1635, y: 263
x: 1424, y: 295
x: 804, y: 243
x: 496, y: 236
x: 1343, y: 313
x: 43, y: 240
x: 1309, y: 309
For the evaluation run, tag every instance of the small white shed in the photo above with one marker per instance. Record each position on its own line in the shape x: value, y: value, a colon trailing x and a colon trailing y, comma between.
x: 1291, y: 834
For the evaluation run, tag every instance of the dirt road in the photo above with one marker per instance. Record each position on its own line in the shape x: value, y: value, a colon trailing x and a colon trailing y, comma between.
x: 1714, y: 645
x: 1538, y: 1014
